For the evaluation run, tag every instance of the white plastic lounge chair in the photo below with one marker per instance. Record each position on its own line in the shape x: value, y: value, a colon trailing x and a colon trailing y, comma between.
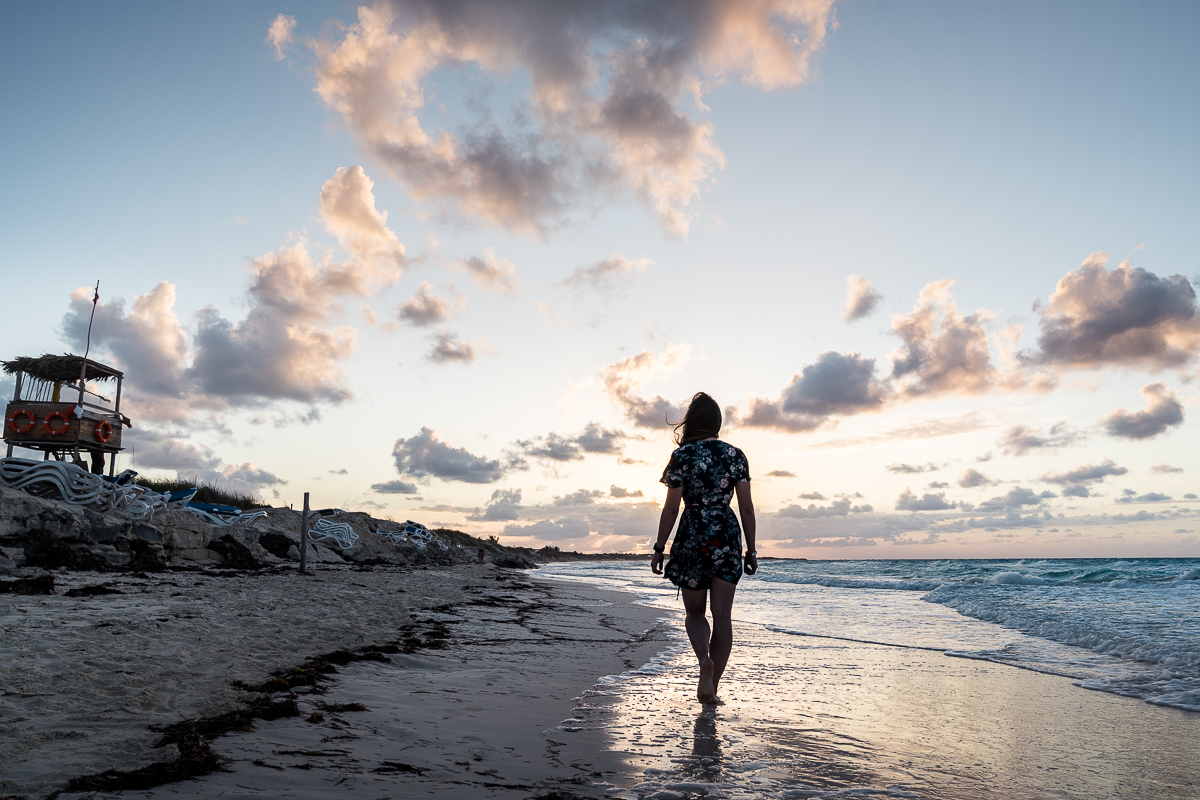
x: 339, y: 533
x: 225, y: 516
x: 61, y: 480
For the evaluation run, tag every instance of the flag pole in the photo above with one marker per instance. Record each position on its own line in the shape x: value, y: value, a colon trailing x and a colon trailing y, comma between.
x: 87, y: 349
x: 83, y: 370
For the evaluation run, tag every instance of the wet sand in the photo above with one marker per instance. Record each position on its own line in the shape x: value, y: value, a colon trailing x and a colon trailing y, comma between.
x: 817, y: 717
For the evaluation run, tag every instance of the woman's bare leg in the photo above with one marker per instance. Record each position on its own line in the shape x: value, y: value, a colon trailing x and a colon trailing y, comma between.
x: 699, y: 634
x: 721, y: 643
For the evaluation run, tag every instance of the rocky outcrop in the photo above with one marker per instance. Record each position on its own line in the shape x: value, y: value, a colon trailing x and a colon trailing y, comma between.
x: 49, y: 534
x: 35, y: 532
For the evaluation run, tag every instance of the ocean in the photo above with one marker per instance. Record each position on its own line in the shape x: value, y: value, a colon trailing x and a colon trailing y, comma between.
x: 1127, y: 628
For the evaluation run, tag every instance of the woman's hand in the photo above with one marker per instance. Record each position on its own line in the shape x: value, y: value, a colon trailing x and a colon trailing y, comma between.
x: 656, y: 564
x: 750, y: 564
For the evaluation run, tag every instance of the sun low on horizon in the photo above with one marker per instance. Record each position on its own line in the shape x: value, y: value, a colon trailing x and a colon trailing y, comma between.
x: 466, y: 263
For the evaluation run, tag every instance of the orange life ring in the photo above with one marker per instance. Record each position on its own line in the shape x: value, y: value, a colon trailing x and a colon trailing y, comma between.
x: 61, y: 415
x: 21, y: 412
x: 103, y: 431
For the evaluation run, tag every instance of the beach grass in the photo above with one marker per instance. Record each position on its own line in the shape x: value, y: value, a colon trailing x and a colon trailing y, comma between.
x: 205, y: 492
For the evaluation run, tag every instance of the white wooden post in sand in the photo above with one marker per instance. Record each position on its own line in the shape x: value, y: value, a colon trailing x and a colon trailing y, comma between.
x: 304, y: 537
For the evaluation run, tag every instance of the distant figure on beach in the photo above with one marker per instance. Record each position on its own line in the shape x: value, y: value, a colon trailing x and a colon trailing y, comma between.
x: 706, y: 557
x: 482, y: 552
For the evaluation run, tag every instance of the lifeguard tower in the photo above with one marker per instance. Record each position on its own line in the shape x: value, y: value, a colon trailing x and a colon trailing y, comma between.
x: 54, y: 411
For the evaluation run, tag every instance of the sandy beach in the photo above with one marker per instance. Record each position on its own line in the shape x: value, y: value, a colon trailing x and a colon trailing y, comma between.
x: 492, y: 683
x: 497, y: 661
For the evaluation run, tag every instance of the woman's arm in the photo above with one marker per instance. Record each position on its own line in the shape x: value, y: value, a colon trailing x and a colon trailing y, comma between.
x: 749, y: 526
x: 666, y: 522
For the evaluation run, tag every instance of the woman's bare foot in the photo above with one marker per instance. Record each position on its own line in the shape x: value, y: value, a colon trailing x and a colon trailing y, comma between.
x: 706, y: 690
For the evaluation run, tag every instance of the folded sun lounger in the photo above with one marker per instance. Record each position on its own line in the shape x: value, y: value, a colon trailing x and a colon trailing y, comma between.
x: 224, y: 516
x: 339, y: 533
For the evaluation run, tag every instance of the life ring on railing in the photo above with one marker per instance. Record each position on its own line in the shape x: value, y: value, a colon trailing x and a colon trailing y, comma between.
x: 103, y: 431
x: 61, y: 415
x: 21, y: 412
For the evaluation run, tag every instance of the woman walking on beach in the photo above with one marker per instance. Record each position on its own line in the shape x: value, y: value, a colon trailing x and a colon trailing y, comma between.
x: 706, y: 558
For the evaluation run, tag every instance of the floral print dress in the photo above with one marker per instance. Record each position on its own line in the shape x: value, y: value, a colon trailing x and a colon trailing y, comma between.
x: 708, y: 543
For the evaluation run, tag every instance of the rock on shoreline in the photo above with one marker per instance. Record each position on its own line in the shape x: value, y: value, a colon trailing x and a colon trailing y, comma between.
x: 49, y: 534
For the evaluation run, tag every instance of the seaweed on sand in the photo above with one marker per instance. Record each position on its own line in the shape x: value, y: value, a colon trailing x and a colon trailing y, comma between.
x: 192, y: 737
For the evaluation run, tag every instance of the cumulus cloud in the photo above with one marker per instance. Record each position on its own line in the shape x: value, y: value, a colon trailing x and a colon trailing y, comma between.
x: 861, y: 298
x: 973, y: 478
x: 567, y: 528
x: 615, y: 95
x: 504, y: 505
x: 811, y: 496
x: 620, y: 492
x: 781, y: 473
x: 1088, y: 473
x: 911, y: 469
x: 624, y: 524
x: 836, y: 384
x: 279, y: 350
x: 1162, y: 411
x: 608, y: 276
x: 580, y: 497
x: 1126, y: 316
x: 426, y: 455
x: 1165, y: 469
x: 623, y: 380
x: 285, y: 348
x: 163, y: 450
x: 349, y: 213
x: 394, y: 487
x: 838, y: 508
x: 447, y: 348
x: 1020, y: 440
x: 248, y: 478
x: 1015, y: 499
x: 175, y: 451
x: 943, y: 350
x: 593, y: 439
x: 148, y: 343
x: 279, y: 35
x: 1149, y: 497
x: 498, y: 275
x: 907, y: 501
x: 553, y: 447
x: 425, y: 308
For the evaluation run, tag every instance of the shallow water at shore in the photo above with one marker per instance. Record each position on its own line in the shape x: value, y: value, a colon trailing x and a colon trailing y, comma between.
x: 840, y: 691
x: 1127, y: 627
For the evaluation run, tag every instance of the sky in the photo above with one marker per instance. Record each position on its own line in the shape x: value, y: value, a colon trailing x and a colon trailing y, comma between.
x: 465, y: 262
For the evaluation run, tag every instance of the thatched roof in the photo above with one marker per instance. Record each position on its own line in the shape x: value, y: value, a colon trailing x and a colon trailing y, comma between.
x: 59, y: 368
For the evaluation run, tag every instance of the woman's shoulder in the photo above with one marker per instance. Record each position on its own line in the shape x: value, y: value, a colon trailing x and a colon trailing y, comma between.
x: 684, y: 448
x: 703, y: 445
x: 727, y: 447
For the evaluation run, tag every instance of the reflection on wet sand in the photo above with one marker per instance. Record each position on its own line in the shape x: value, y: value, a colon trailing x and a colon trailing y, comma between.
x: 824, y: 717
x: 706, y: 748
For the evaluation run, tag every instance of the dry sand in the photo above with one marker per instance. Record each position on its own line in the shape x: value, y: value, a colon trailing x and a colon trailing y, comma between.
x: 83, y: 678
